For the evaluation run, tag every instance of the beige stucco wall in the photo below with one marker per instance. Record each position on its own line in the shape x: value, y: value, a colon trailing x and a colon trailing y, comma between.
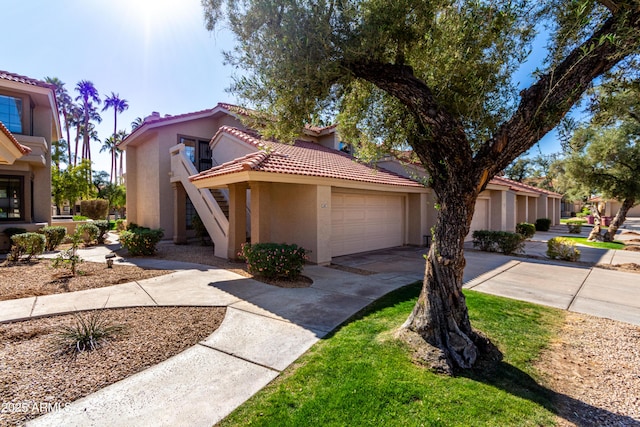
x: 149, y: 190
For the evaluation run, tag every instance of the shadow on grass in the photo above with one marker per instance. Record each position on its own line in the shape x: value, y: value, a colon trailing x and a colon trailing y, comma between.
x: 493, y: 371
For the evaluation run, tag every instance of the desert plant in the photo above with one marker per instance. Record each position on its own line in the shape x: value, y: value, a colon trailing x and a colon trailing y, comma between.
x: 543, y: 224
x: 562, y: 248
x: 54, y: 235
x: 103, y: 227
x: 574, y: 226
x: 69, y: 258
x: 273, y: 260
x: 526, y: 230
x: 141, y: 240
x: 89, y: 232
x: 94, y: 208
x: 29, y: 244
x: 87, y: 333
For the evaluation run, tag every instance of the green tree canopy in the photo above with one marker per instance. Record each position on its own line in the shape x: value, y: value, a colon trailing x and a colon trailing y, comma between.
x: 435, y: 76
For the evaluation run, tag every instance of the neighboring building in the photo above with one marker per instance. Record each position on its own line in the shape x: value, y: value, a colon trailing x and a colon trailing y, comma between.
x: 29, y: 123
x: 612, y: 206
x: 310, y: 193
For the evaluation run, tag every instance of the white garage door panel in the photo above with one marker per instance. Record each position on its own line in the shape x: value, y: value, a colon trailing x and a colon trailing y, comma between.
x: 363, y: 223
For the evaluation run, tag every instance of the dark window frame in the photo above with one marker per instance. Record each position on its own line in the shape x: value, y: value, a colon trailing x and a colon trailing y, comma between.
x: 4, y: 216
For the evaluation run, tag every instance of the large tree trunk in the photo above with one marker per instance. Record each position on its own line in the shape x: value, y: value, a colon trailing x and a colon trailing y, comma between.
x: 619, y: 219
x: 440, y: 317
x: 595, y: 235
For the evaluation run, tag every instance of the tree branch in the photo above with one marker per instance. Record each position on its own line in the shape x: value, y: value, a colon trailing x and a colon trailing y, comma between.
x: 546, y: 102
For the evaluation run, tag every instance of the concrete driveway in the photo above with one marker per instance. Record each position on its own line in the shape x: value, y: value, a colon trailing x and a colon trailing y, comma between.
x: 576, y: 287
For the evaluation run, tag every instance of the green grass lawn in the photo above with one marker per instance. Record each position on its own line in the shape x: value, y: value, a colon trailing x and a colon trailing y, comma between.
x: 564, y: 220
x: 362, y: 376
x: 602, y: 245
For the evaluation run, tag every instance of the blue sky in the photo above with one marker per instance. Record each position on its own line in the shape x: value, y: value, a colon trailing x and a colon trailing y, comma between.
x: 154, y: 53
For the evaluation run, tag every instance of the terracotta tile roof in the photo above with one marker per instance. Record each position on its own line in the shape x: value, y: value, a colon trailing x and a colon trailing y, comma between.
x: 302, y: 158
x: 519, y: 186
x: 20, y: 147
x: 5, y: 75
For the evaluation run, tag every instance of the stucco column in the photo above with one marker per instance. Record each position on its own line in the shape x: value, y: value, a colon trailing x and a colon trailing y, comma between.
x: 260, y: 212
x: 322, y: 253
x: 237, y: 218
x: 498, y: 220
x: 179, y: 214
x: 416, y: 218
x: 543, y: 207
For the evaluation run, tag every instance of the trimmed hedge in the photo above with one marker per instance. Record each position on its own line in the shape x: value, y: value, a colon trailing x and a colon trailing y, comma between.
x: 29, y: 244
x: 543, y: 224
x: 103, y: 226
x: 273, y: 260
x: 526, y: 230
x: 575, y: 226
x: 140, y: 240
x: 498, y: 241
x: 562, y: 248
x: 89, y: 232
x: 94, y: 208
x: 53, y: 236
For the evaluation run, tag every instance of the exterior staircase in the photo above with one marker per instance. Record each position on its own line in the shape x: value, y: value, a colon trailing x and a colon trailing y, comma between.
x: 211, y: 205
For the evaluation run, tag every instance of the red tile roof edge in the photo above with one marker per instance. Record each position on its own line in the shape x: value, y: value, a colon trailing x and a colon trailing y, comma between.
x: 526, y: 187
x: 20, y: 147
x: 253, y: 160
x: 6, y: 75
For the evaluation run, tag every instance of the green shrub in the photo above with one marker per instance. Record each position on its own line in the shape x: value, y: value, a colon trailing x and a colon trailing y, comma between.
x: 80, y: 218
x: 141, y: 240
x: 103, y: 226
x: 575, y: 226
x: 53, y: 236
x: 273, y: 260
x: 89, y: 232
x: 86, y: 334
x: 562, y: 248
x: 12, y: 231
x: 543, y: 224
x: 526, y: 230
x: 29, y: 244
x: 498, y: 241
x: 121, y: 224
x: 95, y: 208
x: 201, y: 230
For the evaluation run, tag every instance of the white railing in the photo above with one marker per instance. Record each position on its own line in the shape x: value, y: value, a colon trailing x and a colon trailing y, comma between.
x: 212, y: 217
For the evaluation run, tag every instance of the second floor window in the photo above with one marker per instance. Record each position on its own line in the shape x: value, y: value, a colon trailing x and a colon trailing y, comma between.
x: 11, y: 113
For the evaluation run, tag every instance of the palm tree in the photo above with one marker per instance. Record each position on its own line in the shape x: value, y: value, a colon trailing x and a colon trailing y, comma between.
x: 136, y: 123
x: 110, y: 144
x: 65, y: 107
x: 122, y: 134
x: 118, y: 104
x: 88, y: 94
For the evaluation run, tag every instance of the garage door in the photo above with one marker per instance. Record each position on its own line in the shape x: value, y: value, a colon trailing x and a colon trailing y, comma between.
x: 480, y: 220
x: 363, y: 223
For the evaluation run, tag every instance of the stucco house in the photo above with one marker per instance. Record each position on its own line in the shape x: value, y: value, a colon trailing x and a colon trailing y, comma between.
x: 310, y: 193
x: 29, y: 123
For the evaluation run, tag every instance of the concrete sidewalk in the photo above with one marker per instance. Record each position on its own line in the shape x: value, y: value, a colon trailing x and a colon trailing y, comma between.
x: 267, y: 328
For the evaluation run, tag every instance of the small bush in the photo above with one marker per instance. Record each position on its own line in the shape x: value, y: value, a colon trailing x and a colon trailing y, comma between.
x: 273, y: 260
x: 574, y: 226
x: 89, y: 232
x: 498, y: 241
x: 70, y: 258
x: 201, y: 230
x: 121, y: 224
x: 53, y: 236
x: 94, y: 208
x: 29, y: 244
x: 103, y: 226
x: 543, y: 224
x: 141, y: 240
x: 526, y: 230
x: 80, y: 218
x: 562, y: 248
x: 87, y: 333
